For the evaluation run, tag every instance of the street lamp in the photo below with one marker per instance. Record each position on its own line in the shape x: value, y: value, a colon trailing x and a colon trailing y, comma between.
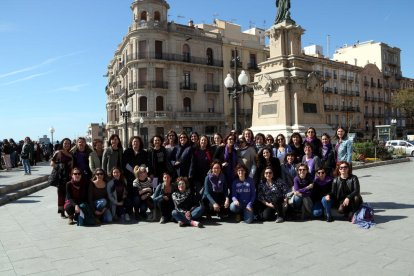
x: 233, y: 89
x: 126, y: 113
x: 393, y: 127
x: 52, y: 130
x: 138, y: 122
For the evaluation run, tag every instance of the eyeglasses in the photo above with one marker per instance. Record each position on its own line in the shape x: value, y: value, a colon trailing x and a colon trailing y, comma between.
x: 311, y: 131
x: 268, y: 172
x: 76, y: 173
x: 343, y: 167
x: 302, y: 170
x: 320, y: 172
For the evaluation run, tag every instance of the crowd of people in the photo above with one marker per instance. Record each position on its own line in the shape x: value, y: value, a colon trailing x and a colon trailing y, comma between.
x: 185, y: 178
x: 25, y: 153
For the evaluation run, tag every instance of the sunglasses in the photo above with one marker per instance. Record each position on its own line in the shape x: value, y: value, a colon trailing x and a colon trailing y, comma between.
x: 343, y: 167
x: 311, y: 131
x: 320, y: 172
x: 302, y: 170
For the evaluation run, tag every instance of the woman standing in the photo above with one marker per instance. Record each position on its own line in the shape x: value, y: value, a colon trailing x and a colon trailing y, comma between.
x: 95, y: 158
x: 343, y: 147
x: 311, y: 138
x: 264, y: 160
x: 7, y: 150
x: 64, y: 159
x: 112, y: 155
x: 181, y: 156
x: 26, y: 155
x: 243, y: 195
x: 272, y: 197
x: 218, y: 143
x: 259, y: 141
x: 282, y: 148
x: 98, y: 197
x: 171, y: 141
x: 311, y: 160
x: 187, y: 208
x: 327, y: 155
x: 296, y: 144
x: 158, y: 159
x: 247, y: 155
x: 200, y: 165
x: 345, y: 190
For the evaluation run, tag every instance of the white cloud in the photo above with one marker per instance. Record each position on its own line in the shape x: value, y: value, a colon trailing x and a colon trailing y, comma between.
x: 71, y: 88
x: 33, y: 76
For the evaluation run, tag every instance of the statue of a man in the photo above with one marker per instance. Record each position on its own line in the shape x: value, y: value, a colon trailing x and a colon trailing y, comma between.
x: 283, y: 13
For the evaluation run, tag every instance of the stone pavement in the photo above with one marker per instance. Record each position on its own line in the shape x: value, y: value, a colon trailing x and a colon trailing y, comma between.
x: 35, y: 241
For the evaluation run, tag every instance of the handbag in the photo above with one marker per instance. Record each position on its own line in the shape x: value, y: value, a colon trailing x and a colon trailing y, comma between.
x: 55, y: 176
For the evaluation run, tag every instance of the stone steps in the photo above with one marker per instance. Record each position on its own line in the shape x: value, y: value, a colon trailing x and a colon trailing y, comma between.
x: 12, y: 192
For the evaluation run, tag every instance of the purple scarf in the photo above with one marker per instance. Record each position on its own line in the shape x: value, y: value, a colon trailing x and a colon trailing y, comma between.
x: 217, y: 182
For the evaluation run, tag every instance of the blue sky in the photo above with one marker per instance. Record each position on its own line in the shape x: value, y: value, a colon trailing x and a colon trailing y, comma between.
x: 54, y: 53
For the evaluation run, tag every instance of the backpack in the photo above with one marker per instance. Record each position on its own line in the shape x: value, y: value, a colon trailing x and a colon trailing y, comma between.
x: 364, y: 217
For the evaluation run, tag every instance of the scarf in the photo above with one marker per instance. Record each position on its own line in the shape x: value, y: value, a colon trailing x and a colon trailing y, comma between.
x: 181, y: 197
x: 217, y: 182
x: 326, y: 149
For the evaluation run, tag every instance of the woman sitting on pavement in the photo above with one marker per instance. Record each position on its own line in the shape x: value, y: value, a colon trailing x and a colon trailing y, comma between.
x: 98, y: 197
x: 322, y: 186
x: 243, y: 195
x: 302, y: 190
x: 187, y: 208
x: 76, y: 194
x: 163, y: 198
x: 142, y: 192
x: 272, y: 197
x: 117, y: 194
x: 216, y: 191
x: 345, y: 190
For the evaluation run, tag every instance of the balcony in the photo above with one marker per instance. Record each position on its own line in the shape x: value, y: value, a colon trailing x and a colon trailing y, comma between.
x: 328, y: 75
x: 239, y: 64
x: 211, y: 88
x: 379, y: 85
x: 328, y: 107
x: 174, y: 57
x: 335, y: 90
x: 327, y: 90
x: 188, y: 86
x: 350, y: 78
x: 159, y: 84
x: 137, y: 85
x: 252, y: 66
x: 366, y: 83
x: 335, y: 76
x: 343, y: 77
x: 373, y: 84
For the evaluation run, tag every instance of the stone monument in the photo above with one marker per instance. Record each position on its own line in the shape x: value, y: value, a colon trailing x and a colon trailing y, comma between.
x: 287, y: 91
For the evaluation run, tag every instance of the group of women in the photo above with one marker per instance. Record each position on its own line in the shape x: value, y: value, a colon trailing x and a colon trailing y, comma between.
x: 185, y: 177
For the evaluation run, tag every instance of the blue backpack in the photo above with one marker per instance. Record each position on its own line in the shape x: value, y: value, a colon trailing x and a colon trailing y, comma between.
x: 364, y: 217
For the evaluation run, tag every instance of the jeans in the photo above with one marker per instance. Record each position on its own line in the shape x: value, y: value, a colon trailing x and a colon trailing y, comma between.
x: 141, y: 206
x: 26, y: 166
x: 195, y: 214
x: 327, y: 204
x: 247, y: 215
x: 100, y: 204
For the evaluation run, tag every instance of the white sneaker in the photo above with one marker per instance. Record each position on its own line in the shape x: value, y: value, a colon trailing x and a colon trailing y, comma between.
x: 127, y: 218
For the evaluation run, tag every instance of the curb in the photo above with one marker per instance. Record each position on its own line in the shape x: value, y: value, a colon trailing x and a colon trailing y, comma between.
x: 381, y: 163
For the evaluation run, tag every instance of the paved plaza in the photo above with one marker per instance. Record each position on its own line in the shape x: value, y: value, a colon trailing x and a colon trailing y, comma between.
x: 36, y: 241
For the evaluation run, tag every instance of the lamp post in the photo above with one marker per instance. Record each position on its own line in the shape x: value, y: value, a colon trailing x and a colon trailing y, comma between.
x: 233, y: 87
x: 126, y: 113
x: 138, y: 123
x: 52, y: 130
x: 393, y: 127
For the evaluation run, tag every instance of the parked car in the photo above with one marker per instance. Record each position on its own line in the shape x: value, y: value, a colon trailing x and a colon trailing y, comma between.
x: 401, y: 144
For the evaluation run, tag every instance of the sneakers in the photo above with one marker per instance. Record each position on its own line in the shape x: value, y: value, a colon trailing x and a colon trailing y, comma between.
x: 329, y: 219
x: 196, y: 224
x: 163, y: 220
x: 127, y: 218
x: 279, y: 220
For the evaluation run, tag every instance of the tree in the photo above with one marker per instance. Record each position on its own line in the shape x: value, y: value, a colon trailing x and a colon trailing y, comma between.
x: 404, y: 99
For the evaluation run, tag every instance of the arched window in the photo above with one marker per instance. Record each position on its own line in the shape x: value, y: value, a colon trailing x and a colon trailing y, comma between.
x: 159, y: 103
x: 143, y: 16
x: 143, y: 104
x: 157, y: 16
x: 186, y: 53
x: 209, y: 54
x: 187, y: 104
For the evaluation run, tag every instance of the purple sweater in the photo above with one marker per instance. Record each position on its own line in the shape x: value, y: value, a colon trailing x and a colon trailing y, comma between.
x: 244, y: 192
x: 299, y: 185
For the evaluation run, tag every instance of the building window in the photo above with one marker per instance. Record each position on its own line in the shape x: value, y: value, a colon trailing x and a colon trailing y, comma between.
x: 187, y: 80
x: 186, y: 53
x: 309, y: 108
x: 143, y: 16
x: 143, y: 104
x: 211, y: 106
x: 159, y: 103
x: 142, y: 49
x: 158, y: 49
x: 253, y: 61
x: 209, y: 54
x: 157, y: 16
x: 187, y: 104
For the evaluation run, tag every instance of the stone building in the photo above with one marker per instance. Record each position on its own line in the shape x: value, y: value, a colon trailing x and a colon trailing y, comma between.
x: 168, y: 74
